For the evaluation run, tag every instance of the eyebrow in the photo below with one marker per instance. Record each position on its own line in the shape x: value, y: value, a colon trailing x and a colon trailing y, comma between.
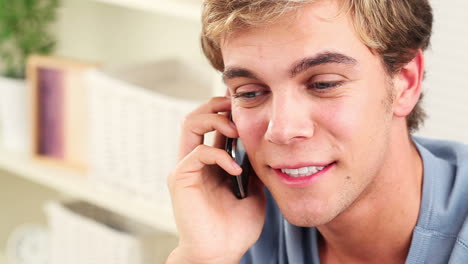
x: 320, y: 59
x: 236, y: 72
x: 299, y: 67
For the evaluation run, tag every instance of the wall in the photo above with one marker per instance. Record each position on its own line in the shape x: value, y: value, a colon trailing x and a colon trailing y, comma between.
x: 446, y: 85
x: 117, y: 35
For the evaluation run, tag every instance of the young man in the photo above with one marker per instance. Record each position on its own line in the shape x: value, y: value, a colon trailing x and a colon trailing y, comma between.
x: 324, y: 95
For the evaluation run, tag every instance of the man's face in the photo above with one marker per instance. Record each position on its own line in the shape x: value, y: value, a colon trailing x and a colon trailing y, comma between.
x: 311, y: 104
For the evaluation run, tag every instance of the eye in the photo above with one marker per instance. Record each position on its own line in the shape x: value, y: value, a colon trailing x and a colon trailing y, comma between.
x: 325, y: 82
x: 324, y: 85
x: 249, y: 91
x: 248, y: 95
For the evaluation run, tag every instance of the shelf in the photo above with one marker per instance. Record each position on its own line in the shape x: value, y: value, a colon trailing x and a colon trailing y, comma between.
x: 78, y: 186
x: 188, y: 9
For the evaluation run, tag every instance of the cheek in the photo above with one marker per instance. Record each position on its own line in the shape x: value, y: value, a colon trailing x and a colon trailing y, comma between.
x: 250, y: 126
x: 352, y: 123
x: 341, y: 118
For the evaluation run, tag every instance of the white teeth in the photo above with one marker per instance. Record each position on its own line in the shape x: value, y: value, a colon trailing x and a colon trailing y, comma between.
x: 301, y: 172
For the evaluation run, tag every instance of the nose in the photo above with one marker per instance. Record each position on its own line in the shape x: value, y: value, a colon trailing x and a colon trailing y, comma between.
x: 291, y: 119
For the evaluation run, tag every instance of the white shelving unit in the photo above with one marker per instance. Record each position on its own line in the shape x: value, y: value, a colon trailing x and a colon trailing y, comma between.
x: 78, y: 186
x: 113, y: 32
x: 189, y: 9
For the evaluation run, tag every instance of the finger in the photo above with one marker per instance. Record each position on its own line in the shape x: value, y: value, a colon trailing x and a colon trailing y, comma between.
x: 195, y: 127
x: 214, y: 105
x: 188, y: 141
x: 189, y: 170
x: 220, y: 140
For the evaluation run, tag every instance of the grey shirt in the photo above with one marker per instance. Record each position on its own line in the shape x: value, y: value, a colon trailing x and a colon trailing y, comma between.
x: 440, y: 235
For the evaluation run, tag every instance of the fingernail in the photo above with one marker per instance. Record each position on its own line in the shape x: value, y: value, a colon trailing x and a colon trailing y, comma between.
x: 236, y: 166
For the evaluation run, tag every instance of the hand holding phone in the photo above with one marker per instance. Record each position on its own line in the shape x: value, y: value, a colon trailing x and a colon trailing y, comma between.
x: 236, y: 149
x: 202, y: 197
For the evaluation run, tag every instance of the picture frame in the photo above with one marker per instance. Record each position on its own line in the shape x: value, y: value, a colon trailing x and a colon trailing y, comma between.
x: 58, y: 110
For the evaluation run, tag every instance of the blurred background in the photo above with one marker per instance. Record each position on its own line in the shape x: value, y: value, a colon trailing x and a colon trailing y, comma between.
x: 144, y: 70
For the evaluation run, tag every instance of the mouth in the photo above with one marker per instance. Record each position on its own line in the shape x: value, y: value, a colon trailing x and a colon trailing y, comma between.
x: 304, y: 175
x: 302, y: 172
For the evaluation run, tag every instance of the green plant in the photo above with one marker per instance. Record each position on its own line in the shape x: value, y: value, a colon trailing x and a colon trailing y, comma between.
x: 23, y: 31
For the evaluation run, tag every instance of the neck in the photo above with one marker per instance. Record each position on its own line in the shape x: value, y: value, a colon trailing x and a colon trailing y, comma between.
x: 382, y: 220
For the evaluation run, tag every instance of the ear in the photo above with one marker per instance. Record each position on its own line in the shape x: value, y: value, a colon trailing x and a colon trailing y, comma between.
x: 407, y: 85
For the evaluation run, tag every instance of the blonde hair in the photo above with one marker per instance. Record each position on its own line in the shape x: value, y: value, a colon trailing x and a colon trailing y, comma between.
x: 393, y: 29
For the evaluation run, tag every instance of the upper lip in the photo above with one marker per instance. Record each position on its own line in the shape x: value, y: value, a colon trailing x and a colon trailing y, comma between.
x: 301, y: 165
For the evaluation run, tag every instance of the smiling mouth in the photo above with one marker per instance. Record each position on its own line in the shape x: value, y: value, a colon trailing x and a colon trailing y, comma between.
x: 304, y: 171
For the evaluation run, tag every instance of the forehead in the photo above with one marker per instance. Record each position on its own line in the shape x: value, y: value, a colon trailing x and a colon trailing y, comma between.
x: 314, y: 28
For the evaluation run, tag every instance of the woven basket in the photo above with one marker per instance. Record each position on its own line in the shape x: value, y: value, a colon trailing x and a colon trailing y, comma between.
x: 135, y: 115
x: 81, y: 233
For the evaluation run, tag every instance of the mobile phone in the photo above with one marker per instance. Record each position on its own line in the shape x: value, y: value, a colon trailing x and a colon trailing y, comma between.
x: 236, y: 149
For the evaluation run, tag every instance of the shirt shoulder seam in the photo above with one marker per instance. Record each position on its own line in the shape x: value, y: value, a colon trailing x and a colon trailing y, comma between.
x: 437, y: 233
x: 462, y: 243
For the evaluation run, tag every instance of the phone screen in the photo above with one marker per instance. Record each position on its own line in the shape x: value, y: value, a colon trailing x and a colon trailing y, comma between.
x: 237, y: 151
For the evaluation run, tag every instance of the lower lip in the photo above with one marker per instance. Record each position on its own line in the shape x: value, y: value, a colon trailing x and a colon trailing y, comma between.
x: 300, y: 182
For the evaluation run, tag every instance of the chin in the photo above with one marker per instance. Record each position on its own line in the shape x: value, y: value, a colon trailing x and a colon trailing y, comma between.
x: 307, y: 220
x: 307, y: 213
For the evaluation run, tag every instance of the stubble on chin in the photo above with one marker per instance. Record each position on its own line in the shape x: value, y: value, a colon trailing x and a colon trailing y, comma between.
x: 312, y: 214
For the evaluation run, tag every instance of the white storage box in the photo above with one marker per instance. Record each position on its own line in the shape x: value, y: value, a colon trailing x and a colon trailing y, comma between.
x: 135, y: 115
x: 81, y: 233
x: 14, y: 116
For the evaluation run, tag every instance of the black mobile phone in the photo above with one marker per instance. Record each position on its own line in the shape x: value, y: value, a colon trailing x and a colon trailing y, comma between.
x: 236, y: 149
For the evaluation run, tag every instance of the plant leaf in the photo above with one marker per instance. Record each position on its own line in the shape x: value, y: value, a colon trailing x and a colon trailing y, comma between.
x: 23, y: 31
